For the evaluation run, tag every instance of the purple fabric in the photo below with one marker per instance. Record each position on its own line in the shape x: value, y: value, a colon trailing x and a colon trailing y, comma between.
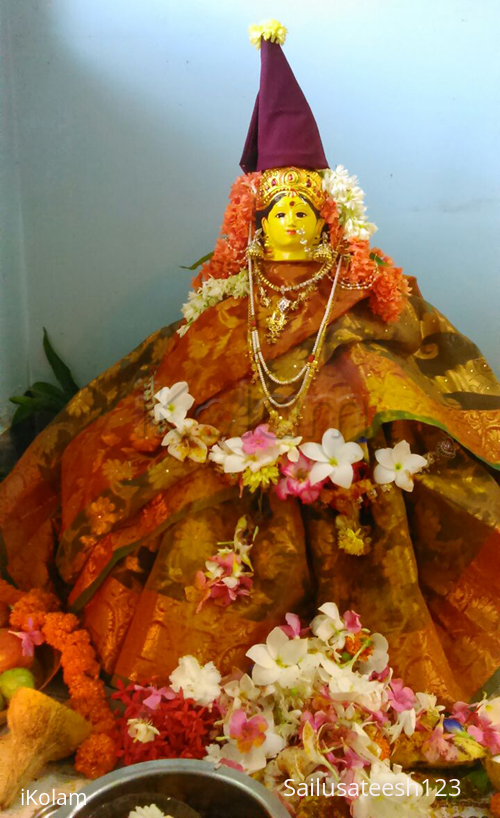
x: 282, y: 130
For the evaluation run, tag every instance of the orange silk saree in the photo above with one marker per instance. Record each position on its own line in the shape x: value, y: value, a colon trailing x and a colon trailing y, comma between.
x: 97, y: 508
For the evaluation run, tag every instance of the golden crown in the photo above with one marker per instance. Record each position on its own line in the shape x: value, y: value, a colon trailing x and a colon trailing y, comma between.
x: 290, y: 180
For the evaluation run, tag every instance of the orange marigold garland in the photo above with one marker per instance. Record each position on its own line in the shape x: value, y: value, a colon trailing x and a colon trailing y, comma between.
x: 96, y: 753
x: 39, y: 609
x: 229, y: 251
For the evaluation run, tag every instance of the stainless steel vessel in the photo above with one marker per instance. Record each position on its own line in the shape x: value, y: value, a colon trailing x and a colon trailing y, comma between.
x: 213, y: 793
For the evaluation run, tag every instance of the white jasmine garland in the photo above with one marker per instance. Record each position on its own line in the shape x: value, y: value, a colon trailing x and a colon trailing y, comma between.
x: 349, y: 198
x: 211, y: 292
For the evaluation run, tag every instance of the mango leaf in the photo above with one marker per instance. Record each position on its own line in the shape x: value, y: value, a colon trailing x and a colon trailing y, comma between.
x: 59, y: 368
x: 198, y: 263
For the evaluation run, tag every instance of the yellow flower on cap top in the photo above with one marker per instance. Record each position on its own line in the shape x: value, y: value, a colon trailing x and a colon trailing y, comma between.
x: 269, y: 30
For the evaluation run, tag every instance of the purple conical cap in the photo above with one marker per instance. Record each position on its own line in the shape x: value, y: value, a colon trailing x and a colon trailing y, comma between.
x: 282, y: 130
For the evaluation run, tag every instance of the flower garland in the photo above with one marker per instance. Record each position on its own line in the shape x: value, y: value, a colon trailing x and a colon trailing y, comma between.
x: 344, y: 212
x: 39, y: 612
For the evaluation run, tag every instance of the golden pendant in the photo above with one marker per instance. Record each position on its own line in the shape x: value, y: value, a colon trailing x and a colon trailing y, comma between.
x: 277, y: 320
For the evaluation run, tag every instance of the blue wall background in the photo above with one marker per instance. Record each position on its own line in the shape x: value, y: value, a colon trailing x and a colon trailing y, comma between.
x: 126, y: 120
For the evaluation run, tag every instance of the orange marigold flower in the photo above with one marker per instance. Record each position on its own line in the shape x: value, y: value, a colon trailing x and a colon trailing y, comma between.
x: 495, y: 805
x: 384, y: 745
x: 96, y: 756
x: 228, y: 255
x: 102, y: 516
x: 58, y: 627
x: 34, y: 605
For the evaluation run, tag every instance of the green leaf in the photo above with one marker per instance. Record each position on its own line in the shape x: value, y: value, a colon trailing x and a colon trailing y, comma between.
x: 21, y: 413
x: 59, y: 368
x: 378, y: 260
x: 35, y: 404
x: 198, y: 263
x: 51, y: 393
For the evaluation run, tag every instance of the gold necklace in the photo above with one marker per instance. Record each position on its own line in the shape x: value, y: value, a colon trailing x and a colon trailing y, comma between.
x: 285, y: 424
x: 278, y: 318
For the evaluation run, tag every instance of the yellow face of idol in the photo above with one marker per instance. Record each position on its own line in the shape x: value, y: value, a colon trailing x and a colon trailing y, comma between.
x: 291, y: 229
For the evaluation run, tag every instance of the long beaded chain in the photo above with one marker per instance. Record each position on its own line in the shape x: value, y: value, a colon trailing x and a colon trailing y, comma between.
x: 306, y: 374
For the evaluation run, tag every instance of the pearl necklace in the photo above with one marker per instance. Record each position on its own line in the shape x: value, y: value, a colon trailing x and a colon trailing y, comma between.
x: 259, y: 365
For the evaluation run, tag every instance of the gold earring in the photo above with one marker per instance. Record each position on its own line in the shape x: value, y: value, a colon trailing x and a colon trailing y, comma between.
x: 324, y: 250
x: 255, y: 251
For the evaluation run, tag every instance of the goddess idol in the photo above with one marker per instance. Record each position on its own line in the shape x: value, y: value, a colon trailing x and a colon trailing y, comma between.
x: 312, y: 431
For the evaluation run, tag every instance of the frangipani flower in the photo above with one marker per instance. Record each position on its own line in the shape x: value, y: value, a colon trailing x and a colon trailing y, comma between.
x: 196, y: 682
x: 397, y: 465
x: 252, y: 740
x: 174, y: 403
x: 142, y: 730
x: 190, y: 439
x: 345, y: 685
x: 490, y: 709
x: 278, y: 660
x: 403, y: 796
x: 328, y: 623
x: 233, y: 457
x: 334, y: 458
x: 377, y: 661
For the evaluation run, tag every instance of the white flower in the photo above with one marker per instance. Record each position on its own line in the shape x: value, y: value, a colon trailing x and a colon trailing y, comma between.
x: 289, y: 446
x: 142, y: 730
x: 406, y: 722
x: 349, y: 198
x: 345, y: 685
x: 398, y: 465
x: 211, y: 292
x: 329, y: 623
x: 278, y: 660
x: 242, y: 690
x: 196, y: 682
x: 491, y: 709
x: 230, y: 455
x: 379, y: 659
x: 402, y: 797
x: 334, y: 458
x: 428, y: 702
x: 174, y: 403
x: 190, y: 439
x: 256, y: 758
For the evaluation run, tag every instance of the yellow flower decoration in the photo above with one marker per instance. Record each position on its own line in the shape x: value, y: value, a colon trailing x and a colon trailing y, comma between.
x: 264, y: 477
x: 81, y: 403
x: 101, y: 516
x: 268, y: 30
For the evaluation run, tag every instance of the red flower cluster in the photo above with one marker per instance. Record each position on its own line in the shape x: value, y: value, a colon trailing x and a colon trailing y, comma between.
x: 185, y: 728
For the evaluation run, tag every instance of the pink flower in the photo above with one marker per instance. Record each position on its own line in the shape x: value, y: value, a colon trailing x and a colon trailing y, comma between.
x: 296, y: 481
x: 293, y: 628
x: 461, y: 712
x: 401, y: 698
x: 316, y: 720
x: 353, y: 761
x: 29, y: 639
x: 152, y: 701
x: 249, y: 733
x: 487, y: 734
x: 352, y: 621
x: 260, y: 439
x: 439, y: 746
